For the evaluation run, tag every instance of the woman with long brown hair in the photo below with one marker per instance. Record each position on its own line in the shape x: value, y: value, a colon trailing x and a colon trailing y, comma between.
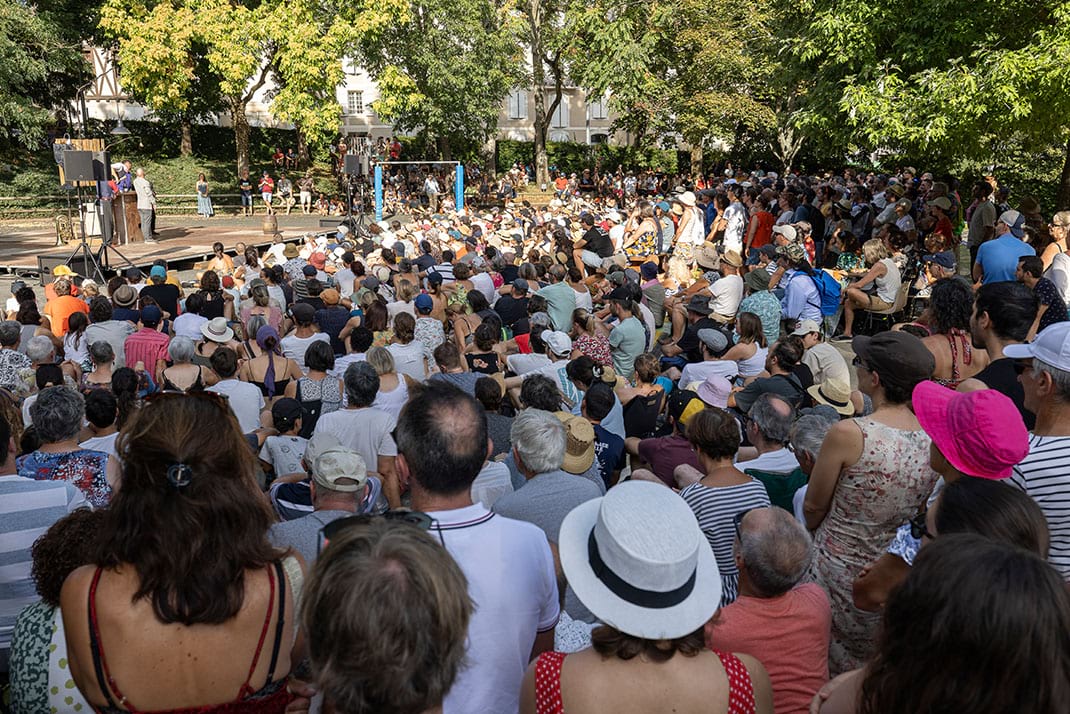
x: 187, y: 605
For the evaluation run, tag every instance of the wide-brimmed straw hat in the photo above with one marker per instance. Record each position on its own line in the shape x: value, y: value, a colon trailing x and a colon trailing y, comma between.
x: 640, y: 563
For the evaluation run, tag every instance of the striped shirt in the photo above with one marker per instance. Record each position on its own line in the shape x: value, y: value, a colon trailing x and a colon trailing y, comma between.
x: 1045, y: 475
x: 715, y: 509
x: 28, y: 508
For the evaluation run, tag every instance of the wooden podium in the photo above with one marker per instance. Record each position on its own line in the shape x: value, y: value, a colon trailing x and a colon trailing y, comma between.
x: 130, y: 230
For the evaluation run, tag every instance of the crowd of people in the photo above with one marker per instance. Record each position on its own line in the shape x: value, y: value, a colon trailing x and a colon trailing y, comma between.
x: 744, y: 444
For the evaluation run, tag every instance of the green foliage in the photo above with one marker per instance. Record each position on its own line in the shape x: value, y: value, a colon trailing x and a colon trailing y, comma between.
x: 574, y: 156
x: 443, y: 67
x: 40, y: 69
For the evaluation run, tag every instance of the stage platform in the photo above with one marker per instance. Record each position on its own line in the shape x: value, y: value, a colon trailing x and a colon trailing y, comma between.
x: 182, y: 241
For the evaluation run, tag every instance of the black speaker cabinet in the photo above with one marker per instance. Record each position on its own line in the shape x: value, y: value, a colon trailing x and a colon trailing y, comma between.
x: 353, y: 165
x: 101, y: 166
x: 78, y: 165
x: 45, y: 264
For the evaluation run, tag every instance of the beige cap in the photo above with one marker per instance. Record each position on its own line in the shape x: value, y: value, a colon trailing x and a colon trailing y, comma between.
x: 335, y: 465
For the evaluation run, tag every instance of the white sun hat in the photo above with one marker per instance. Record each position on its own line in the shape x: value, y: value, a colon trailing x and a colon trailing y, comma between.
x: 640, y: 563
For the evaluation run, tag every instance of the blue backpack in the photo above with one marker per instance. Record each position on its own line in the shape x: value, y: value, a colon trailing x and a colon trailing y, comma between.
x: 829, y: 290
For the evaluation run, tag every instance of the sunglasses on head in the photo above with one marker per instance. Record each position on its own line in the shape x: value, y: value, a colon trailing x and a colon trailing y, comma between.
x: 418, y: 519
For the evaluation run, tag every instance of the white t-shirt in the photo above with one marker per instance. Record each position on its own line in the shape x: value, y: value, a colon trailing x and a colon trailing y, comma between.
x: 245, y: 401
x: 727, y: 294
x: 188, y: 325
x: 102, y: 443
x: 340, y: 364
x: 511, y: 580
x: 284, y: 453
x: 294, y: 347
x: 492, y: 483
x: 781, y: 461
x: 736, y: 218
x: 521, y: 364
x: 366, y: 431
x: 584, y: 299
x: 485, y: 284
x: 343, y: 279
x: 393, y: 309
x: 410, y: 359
x: 701, y: 371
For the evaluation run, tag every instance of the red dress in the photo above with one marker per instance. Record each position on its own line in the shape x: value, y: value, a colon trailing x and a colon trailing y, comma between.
x: 548, y: 684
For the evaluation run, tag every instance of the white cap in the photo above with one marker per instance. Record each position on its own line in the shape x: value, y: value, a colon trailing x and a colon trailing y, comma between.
x: 1052, y: 347
x: 558, y: 342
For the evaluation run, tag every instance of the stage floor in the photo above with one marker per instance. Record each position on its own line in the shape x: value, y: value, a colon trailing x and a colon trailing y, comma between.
x: 182, y: 239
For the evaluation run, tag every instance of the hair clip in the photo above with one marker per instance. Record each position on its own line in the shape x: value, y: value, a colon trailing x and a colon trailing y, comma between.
x: 179, y: 475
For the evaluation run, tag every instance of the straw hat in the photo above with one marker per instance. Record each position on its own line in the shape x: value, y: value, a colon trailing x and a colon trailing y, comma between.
x: 835, y: 394
x: 579, y: 445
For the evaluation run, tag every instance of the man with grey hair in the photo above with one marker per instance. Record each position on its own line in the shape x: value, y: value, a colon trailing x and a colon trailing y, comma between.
x: 366, y: 429
x: 784, y: 624
x: 14, y: 365
x: 768, y: 424
x: 539, y: 441
x: 146, y: 205
x: 339, y: 484
x: 807, y: 435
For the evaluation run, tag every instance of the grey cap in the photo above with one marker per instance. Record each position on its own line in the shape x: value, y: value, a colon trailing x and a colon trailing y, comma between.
x: 521, y: 285
x: 616, y: 277
x: 714, y: 339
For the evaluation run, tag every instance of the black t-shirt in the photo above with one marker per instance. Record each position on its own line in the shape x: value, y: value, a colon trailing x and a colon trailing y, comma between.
x: 510, y: 273
x: 213, y: 305
x: 689, y: 341
x: 165, y: 295
x: 511, y: 309
x: 425, y: 262
x: 598, y: 242
x: 789, y: 388
x: 1001, y: 376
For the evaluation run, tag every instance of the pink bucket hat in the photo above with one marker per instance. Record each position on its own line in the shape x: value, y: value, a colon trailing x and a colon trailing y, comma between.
x: 980, y: 433
x: 714, y: 391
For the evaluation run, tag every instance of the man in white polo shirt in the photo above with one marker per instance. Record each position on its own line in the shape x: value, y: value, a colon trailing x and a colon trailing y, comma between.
x: 442, y: 444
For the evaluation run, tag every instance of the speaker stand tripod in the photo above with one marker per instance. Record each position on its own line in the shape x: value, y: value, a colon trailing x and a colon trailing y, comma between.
x: 99, y: 261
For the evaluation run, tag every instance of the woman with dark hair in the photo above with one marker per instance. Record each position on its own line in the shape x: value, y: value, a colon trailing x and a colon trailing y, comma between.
x: 617, y: 558
x: 871, y: 476
x: 317, y: 392
x: 33, y: 324
x: 750, y: 350
x: 38, y: 647
x: 723, y: 492
x: 174, y: 615
x: 978, y: 626
x: 271, y: 371
x: 950, y: 307
x: 57, y: 415
x: 125, y: 385
x: 251, y: 268
x: 377, y: 319
x: 483, y: 354
x: 215, y: 299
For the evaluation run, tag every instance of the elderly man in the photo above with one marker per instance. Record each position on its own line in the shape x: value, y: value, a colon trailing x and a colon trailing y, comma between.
x: 103, y: 328
x: 339, y: 485
x: 775, y: 619
x: 364, y: 428
x: 539, y: 442
x: 767, y: 425
x: 146, y: 205
x: 442, y: 443
x: 1045, y: 473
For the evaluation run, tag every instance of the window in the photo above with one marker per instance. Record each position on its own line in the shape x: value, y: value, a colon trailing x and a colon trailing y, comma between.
x: 355, y: 103
x: 560, y: 118
x: 518, y: 104
x: 598, y: 107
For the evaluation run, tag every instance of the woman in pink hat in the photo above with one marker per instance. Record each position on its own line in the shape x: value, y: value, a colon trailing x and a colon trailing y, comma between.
x: 975, y: 435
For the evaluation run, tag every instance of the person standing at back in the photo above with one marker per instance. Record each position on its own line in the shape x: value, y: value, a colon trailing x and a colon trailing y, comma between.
x: 442, y: 445
x: 997, y: 259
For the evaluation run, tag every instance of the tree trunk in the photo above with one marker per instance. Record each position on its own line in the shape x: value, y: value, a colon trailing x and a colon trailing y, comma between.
x: 241, y: 133
x: 789, y: 143
x: 1062, y: 198
x: 696, y: 161
x: 186, y: 147
x: 304, y: 158
x: 442, y: 145
x: 489, y: 154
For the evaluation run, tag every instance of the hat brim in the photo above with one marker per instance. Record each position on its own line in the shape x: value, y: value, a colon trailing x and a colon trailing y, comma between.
x: 610, y: 609
x: 847, y: 409
x: 221, y: 339
x: 860, y: 346
x: 700, y: 309
x: 578, y: 464
x: 931, y: 404
x: 711, y: 398
x: 1020, y: 351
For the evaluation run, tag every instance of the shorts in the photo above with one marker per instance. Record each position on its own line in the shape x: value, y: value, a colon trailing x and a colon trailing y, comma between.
x: 246, y: 198
x: 591, y: 259
x: 876, y: 304
x: 266, y: 197
x: 306, y: 198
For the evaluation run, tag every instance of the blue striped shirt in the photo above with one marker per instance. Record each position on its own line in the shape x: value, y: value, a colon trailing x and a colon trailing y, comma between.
x: 28, y: 508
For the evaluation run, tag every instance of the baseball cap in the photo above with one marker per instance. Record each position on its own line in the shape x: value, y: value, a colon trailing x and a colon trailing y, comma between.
x: 371, y: 282
x: 794, y: 252
x: 679, y: 400
x: 714, y: 339
x: 303, y: 312
x: 334, y: 465
x: 649, y: 270
x: 1013, y: 220
x: 158, y: 271
x: 980, y: 433
x: 62, y: 270
x: 788, y: 231
x: 309, y: 271
x: 17, y: 285
x: 768, y: 249
x: 133, y: 274
x: 423, y: 302
x: 558, y: 342
x: 898, y: 358
x: 434, y: 277
x: 1052, y: 347
x: 521, y: 285
x: 285, y: 412
x: 320, y: 442
x: 943, y: 203
x: 805, y: 327
x: 945, y: 259
x: 150, y: 314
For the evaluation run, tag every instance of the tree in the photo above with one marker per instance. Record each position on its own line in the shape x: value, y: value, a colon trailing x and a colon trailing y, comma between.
x: 935, y: 78
x: 543, y: 32
x: 40, y: 69
x: 442, y: 67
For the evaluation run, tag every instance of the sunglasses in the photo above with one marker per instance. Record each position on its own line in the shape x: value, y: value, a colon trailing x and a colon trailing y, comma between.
x: 419, y: 519
x: 918, y: 529
x: 1021, y: 366
x: 858, y: 362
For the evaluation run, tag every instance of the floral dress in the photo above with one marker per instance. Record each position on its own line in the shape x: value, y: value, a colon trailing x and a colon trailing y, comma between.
x: 596, y: 347
x: 84, y: 468
x: 873, y: 497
